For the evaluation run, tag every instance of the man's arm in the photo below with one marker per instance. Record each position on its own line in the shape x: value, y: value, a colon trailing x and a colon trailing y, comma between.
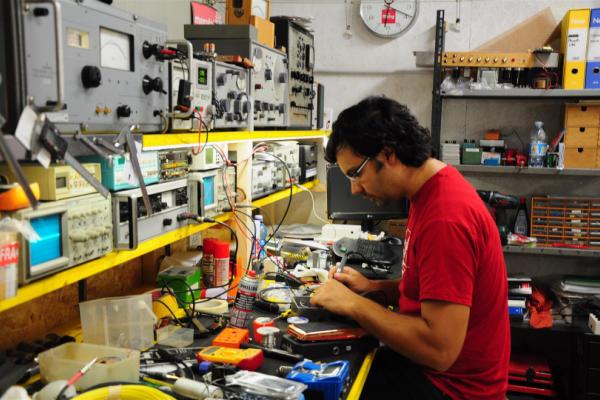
x: 433, y: 339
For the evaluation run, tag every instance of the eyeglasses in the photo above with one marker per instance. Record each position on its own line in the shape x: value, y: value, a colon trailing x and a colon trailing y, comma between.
x: 355, y: 175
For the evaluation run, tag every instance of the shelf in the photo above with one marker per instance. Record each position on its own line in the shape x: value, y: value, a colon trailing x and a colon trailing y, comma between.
x: 578, y: 326
x: 527, y: 171
x: 183, y: 140
x: 523, y: 93
x: 551, y: 251
x: 283, y: 194
x: 83, y: 271
x: 73, y: 275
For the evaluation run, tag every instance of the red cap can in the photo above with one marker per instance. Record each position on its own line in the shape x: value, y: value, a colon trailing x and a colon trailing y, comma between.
x: 221, y: 249
x: 208, y: 246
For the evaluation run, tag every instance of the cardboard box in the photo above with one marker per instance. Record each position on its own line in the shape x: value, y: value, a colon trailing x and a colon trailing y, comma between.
x: 266, y: 30
x: 580, y: 157
x: 578, y: 115
x: 243, y: 14
x: 539, y: 30
x: 583, y: 136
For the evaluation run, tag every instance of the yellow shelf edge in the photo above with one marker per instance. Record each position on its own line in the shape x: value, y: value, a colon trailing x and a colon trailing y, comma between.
x: 183, y: 140
x: 361, y: 377
x: 283, y: 194
x: 75, y: 274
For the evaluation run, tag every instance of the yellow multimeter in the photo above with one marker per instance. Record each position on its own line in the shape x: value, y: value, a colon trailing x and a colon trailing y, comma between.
x: 249, y: 359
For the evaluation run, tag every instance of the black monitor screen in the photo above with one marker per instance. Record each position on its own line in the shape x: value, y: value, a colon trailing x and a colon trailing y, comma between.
x: 342, y: 204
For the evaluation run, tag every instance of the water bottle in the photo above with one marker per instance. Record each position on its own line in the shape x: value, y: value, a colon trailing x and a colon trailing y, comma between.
x: 538, y: 146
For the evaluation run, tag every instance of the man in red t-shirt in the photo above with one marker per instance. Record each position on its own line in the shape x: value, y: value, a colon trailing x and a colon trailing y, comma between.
x: 451, y: 336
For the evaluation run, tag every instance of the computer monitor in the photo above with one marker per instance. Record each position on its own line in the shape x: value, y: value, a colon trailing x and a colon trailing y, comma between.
x: 343, y: 205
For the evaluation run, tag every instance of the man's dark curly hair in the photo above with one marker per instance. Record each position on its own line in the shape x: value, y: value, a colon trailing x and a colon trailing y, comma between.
x: 377, y: 123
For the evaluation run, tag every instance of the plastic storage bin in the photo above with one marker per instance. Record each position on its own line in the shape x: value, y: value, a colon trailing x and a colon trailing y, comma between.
x: 119, y: 321
x: 113, y: 364
x: 175, y: 336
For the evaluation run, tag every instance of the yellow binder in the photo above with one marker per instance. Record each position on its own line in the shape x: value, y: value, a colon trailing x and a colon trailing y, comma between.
x: 575, y: 27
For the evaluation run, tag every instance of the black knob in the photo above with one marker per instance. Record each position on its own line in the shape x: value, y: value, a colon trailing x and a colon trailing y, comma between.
x: 225, y: 105
x: 221, y: 79
x: 237, y: 106
x: 231, y: 95
x: 245, y: 107
x: 123, y: 111
x: 149, y: 50
x: 257, y: 105
x: 40, y: 12
x: 229, y: 117
x: 149, y: 85
x: 163, y: 205
x: 282, y: 77
x: 91, y: 76
x: 268, y: 74
x: 167, y: 222
x: 281, y: 108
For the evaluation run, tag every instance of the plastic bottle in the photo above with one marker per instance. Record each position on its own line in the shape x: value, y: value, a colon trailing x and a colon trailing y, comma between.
x: 261, y: 236
x: 537, y: 146
x: 521, y: 222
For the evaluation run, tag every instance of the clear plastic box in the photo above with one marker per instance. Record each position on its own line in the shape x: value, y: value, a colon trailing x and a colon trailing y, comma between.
x: 175, y: 336
x: 119, y: 321
x: 113, y: 364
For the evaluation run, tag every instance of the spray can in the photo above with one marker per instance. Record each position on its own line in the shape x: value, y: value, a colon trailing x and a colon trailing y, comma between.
x: 221, y: 262
x: 208, y: 266
x: 244, y: 300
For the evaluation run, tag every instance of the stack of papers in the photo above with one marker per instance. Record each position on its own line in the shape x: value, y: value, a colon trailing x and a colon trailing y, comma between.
x: 451, y: 153
x: 581, y: 285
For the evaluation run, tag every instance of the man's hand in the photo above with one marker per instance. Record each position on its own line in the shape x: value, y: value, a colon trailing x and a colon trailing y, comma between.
x: 335, y: 297
x: 353, y: 279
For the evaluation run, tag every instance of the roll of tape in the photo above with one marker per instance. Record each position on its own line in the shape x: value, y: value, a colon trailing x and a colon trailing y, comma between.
x: 259, y: 323
x: 269, y: 336
x: 213, y: 306
x: 297, y: 320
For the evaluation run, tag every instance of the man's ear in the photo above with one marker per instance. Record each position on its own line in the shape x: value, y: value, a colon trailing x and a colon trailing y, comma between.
x: 390, y: 155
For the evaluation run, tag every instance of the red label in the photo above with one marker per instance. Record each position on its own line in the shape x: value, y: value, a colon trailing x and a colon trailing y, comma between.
x: 9, y: 254
x: 388, y: 16
x: 203, y: 14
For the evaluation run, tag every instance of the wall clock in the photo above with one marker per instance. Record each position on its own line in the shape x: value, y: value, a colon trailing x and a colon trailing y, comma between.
x: 389, y: 18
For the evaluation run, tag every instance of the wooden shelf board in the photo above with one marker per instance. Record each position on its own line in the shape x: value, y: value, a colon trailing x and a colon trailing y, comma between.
x: 183, y: 140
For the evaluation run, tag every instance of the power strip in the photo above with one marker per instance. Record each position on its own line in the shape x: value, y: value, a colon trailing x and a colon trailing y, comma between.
x: 594, y: 324
x: 334, y: 232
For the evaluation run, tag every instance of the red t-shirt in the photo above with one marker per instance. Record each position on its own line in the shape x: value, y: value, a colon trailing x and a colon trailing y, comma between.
x: 452, y: 253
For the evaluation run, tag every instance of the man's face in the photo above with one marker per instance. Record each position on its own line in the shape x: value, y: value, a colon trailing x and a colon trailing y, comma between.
x: 367, y: 175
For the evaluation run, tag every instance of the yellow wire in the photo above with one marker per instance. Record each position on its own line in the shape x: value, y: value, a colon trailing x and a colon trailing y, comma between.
x: 157, y: 382
x: 125, y: 392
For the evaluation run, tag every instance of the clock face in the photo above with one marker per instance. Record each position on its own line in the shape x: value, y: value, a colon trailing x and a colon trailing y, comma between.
x: 389, y: 18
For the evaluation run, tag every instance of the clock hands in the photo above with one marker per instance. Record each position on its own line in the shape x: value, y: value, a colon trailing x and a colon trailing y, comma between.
x: 400, y: 11
x: 388, y: 4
